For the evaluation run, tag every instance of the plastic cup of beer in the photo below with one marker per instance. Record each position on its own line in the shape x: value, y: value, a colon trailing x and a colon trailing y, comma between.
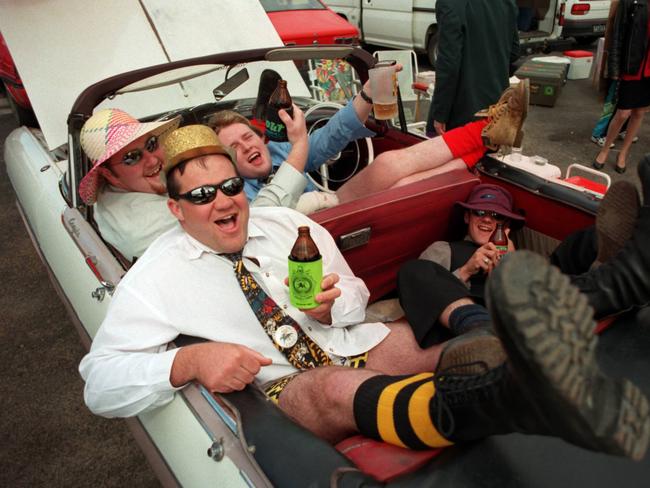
x: 383, y: 84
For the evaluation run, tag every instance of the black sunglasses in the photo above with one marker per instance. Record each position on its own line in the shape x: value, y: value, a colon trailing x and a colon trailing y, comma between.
x: 489, y: 213
x: 134, y: 156
x: 207, y: 193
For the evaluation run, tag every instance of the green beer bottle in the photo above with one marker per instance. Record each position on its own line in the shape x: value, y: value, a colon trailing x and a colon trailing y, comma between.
x: 280, y: 99
x: 305, y: 271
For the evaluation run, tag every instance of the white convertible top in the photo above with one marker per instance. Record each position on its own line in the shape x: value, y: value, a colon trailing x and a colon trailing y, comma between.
x: 61, y: 47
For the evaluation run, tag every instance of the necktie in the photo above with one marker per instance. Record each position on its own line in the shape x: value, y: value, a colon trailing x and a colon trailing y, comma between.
x: 284, y: 332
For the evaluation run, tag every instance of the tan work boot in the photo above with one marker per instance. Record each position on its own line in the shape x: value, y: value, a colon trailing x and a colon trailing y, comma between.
x: 507, y: 116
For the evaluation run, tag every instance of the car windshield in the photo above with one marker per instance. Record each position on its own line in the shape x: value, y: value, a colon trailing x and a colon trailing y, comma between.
x: 309, y: 80
x: 281, y: 5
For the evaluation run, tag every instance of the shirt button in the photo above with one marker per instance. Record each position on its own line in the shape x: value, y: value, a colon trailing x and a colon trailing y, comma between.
x: 284, y: 306
x: 268, y: 274
x: 331, y: 350
x: 309, y: 328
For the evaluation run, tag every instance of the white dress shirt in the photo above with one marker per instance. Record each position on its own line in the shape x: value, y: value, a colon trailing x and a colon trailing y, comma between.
x: 180, y: 286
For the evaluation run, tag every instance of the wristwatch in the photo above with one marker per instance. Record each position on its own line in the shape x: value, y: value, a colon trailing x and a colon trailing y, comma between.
x: 365, y: 97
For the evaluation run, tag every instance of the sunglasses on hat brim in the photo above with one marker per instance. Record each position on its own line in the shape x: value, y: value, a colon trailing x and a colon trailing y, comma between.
x: 208, y: 193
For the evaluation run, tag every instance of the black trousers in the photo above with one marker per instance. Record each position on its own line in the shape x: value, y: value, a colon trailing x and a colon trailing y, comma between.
x: 425, y: 288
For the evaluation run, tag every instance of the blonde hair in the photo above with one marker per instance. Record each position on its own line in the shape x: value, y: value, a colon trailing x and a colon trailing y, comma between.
x: 227, y: 118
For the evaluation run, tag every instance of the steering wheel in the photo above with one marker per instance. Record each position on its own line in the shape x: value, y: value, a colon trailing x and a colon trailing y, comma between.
x: 343, y: 165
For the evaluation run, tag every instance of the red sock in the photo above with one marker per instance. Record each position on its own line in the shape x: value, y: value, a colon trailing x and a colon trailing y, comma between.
x: 466, y: 142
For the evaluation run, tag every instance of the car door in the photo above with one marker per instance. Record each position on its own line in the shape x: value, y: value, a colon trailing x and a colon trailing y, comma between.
x: 388, y: 22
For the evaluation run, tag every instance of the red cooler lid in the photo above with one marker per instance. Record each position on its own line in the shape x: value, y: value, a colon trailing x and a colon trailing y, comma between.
x: 578, y: 54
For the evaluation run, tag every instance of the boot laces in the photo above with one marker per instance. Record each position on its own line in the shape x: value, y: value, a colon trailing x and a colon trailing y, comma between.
x: 454, y: 387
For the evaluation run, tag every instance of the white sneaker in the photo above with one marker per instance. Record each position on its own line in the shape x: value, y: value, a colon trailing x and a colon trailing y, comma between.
x: 600, y: 141
x: 312, y: 201
x: 622, y: 135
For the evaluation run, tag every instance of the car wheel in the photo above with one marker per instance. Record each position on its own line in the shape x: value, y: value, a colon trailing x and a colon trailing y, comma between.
x: 22, y: 115
x: 432, y: 50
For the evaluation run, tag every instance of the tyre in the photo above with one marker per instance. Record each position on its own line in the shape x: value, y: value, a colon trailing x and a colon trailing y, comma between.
x: 432, y: 49
x: 586, y: 40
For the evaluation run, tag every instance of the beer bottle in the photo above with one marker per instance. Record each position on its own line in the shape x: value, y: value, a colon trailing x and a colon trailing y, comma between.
x: 305, y: 271
x: 500, y: 239
x: 280, y: 99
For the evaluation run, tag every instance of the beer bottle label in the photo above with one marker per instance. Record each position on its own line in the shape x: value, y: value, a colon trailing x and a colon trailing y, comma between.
x: 502, y: 250
x: 275, y: 128
x: 304, y: 282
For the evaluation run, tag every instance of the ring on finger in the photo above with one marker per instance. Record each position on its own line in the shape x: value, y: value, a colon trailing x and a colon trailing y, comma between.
x: 486, y: 260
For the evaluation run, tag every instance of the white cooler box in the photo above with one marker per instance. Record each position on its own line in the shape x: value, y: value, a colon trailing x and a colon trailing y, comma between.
x: 581, y: 63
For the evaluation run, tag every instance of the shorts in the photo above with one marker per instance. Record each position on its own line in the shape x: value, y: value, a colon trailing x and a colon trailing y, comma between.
x: 274, y: 388
x: 633, y: 94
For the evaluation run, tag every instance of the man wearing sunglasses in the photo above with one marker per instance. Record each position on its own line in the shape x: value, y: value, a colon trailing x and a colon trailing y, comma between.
x: 195, y: 280
x: 125, y: 183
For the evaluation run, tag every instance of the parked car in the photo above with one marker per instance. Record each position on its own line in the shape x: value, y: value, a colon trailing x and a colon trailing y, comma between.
x: 240, y: 439
x: 412, y: 24
x: 306, y: 22
x: 13, y: 86
x: 584, y: 20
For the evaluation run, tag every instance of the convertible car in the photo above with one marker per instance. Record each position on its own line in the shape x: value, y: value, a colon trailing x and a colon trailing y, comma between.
x: 241, y: 439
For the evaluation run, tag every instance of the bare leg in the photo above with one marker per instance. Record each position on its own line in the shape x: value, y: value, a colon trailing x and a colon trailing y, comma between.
x: 619, y: 118
x: 391, y: 166
x: 329, y: 416
x: 399, y: 353
x: 450, y: 166
x: 633, y: 126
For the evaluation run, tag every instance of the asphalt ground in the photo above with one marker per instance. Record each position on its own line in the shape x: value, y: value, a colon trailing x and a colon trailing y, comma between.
x: 48, y: 437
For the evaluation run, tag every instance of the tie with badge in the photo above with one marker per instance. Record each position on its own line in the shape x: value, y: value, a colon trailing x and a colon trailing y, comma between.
x: 285, y: 333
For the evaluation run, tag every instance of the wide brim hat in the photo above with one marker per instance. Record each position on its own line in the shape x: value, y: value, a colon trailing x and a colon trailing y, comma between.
x: 107, y: 132
x: 192, y: 141
x: 492, y: 198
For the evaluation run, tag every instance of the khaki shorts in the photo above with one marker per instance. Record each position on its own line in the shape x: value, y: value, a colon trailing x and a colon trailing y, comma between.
x: 274, y: 388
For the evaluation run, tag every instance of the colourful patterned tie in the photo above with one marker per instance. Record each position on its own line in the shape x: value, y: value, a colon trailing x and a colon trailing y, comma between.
x: 284, y: 332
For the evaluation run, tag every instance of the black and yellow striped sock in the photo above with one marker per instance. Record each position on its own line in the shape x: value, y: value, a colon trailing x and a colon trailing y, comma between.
x: 395, y: 409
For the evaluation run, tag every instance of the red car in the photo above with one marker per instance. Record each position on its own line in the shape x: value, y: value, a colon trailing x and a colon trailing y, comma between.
x: 13, y: 85
x: 306, y: 22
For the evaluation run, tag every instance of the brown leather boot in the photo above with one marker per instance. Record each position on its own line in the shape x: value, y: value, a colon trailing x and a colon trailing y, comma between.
x: 617, y: 214
x: 506, y: 117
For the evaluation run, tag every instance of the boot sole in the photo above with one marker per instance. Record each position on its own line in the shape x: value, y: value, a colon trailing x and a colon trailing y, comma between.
x: 476, y: 352
x: 546, y: 328
x: 616, y: 218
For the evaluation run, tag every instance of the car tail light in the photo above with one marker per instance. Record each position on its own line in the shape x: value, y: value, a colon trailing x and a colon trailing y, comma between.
x: 561, y: 22
x: 580, y: 8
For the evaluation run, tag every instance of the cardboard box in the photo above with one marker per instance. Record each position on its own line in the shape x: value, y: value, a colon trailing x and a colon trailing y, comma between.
x: 546, y: 81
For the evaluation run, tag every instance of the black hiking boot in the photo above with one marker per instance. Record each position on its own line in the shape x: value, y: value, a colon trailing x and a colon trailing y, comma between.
x: 546, y: 327
x: 623, y: 281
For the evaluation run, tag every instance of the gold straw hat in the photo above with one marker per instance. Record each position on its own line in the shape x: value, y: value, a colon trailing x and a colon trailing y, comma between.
x: 190, y: 142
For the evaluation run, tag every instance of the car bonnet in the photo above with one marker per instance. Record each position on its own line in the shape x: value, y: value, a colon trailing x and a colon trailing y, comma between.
x: 62, y: 46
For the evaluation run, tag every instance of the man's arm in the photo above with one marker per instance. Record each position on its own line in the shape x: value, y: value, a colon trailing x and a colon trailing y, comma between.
x: 289, y: 181
x: 450, y: 48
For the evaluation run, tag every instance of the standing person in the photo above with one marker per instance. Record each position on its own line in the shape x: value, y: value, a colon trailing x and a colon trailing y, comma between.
x: 628, y: 62
x: 478, y: 40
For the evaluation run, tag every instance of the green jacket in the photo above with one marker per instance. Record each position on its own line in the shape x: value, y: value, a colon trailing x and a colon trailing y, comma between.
x: 478, y: 40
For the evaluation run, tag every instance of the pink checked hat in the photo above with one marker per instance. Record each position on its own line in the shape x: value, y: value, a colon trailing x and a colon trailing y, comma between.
x: 104, y: 134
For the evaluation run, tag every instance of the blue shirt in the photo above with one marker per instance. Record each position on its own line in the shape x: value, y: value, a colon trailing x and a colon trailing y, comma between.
x: 343, y: 128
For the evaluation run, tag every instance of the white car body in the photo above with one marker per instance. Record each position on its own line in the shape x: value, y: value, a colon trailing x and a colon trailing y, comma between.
x: 412, y: 24
x: 584, y: 20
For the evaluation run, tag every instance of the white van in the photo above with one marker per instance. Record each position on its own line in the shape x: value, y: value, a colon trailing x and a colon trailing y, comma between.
x: 411, y: 24
x: 584, y: 20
